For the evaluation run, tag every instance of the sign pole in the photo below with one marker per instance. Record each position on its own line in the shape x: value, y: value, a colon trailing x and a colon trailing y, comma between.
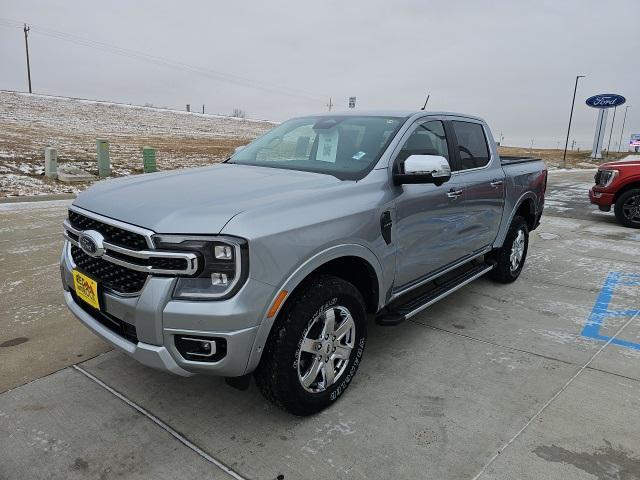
x: 601, y: 126
x: 624, y: 120
x: 604, y: 102
x: 613, y: 121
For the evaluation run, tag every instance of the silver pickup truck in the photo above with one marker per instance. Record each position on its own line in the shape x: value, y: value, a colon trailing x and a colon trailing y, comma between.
x: 271, y: 262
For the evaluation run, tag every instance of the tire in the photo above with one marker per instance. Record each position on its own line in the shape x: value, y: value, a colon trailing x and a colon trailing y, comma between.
x: 517, y: 240
x: 627, y: 208
x: 285, y: 374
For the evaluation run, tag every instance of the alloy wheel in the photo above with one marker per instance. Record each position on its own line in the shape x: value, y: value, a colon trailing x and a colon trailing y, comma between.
x: 517, y: 251
x: 631, y: 208
x: 325, y: 349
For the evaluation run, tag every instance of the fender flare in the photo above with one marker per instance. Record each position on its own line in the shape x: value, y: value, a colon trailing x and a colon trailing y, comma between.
x: 299, y: 274
x: 504, y: 228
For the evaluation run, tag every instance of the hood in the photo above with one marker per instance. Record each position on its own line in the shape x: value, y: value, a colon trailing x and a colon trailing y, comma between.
x: 198, y: 200
x: 632, y: 163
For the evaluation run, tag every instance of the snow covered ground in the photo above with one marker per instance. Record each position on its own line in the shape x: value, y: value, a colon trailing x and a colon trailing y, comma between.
x: 28, y: 123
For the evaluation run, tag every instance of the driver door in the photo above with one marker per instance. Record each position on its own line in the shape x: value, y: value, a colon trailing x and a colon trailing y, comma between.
x: 429, y: 218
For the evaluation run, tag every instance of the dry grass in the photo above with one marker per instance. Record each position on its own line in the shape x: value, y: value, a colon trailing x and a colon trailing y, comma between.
x: 28, y: 123
x: 553, y: 157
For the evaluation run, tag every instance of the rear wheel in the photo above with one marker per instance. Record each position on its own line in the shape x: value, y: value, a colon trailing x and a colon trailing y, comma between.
x: 627, y: 208
x: 315, y: 347
x: 511, y: 256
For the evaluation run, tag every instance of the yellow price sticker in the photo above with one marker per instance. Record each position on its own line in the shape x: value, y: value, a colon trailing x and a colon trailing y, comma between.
x: 86, y: 289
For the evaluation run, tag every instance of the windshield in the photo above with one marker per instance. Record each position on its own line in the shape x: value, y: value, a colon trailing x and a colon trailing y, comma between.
x: 346, y: 147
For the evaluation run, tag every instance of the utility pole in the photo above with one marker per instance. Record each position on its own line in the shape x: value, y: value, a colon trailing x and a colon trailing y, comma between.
x: 330, y: 104
x: 622, y: 131
x: 611, y: 132
x: 427, y: 101
x: 575, y: 88
x: 203, y: 108
x: 573, y: 144
x: 26, y: 44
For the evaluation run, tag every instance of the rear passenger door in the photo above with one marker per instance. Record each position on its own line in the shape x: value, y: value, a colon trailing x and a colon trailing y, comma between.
x: 483, y: 178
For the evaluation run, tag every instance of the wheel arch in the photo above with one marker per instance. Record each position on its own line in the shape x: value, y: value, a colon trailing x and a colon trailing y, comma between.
x: 525, y: 206
x: 634, y: 183
x: 527, y: 209
x: 351, y: 262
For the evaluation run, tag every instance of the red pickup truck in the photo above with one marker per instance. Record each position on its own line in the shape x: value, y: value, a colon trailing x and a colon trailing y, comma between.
x: 618, y: 184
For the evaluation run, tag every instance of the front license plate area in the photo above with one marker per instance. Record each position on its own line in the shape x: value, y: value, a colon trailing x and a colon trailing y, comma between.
x: 86, y: 289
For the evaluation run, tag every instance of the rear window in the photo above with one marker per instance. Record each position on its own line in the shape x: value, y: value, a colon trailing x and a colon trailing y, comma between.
x: 472, y: 145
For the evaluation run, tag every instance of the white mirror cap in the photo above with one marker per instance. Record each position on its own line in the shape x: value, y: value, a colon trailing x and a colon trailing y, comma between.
x: 435, y: 165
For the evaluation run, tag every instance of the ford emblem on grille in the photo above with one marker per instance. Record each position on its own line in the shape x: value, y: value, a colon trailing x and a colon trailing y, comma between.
x: 91, y: 243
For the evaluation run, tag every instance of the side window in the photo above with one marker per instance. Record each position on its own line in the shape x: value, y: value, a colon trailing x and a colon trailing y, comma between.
x: 472, y: 145
x: 428, y: 138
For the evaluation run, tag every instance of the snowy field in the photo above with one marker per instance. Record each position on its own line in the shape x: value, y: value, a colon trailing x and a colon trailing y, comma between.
x: 28, y: 123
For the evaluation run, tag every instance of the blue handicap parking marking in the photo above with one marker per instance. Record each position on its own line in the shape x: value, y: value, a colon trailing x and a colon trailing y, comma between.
x: 601, y: 308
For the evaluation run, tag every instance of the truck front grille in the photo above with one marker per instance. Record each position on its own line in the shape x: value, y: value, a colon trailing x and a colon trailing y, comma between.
x: 123, y: 259
x: 112, y: 234
x: 109, y: 275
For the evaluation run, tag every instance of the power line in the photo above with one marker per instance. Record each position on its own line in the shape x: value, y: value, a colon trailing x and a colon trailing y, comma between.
x: 166, y: 62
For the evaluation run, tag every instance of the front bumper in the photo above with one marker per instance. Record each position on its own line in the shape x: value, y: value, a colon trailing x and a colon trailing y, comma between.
x: 602, y: 199
x: 157, y: 319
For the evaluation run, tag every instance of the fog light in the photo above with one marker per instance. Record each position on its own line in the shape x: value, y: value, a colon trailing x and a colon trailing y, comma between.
x: 194, y: 348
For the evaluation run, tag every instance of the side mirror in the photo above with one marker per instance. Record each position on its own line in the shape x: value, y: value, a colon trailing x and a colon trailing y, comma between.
x: 237, y: 149
x: 424, y: 169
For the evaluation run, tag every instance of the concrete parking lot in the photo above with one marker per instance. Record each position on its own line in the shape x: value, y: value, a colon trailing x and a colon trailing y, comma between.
x: 536, y: 379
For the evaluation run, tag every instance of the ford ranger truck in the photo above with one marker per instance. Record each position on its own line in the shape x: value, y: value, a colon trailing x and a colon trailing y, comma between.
x: 271, y: 262
x: 617, y: 184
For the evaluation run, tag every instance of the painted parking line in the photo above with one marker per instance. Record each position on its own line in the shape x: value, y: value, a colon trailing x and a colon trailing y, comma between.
x: 601, y: 309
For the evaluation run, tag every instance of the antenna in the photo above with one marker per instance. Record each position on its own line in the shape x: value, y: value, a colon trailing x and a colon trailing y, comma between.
x: 425, y: 103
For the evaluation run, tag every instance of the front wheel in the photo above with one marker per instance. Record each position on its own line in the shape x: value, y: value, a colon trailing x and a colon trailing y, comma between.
x: 627, y: 208
x: 315, y: 347
x: 510, y: 258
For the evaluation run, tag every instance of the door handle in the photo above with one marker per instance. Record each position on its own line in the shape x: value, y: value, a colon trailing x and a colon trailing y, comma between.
x: 454, y: 193
x: 496, y: 183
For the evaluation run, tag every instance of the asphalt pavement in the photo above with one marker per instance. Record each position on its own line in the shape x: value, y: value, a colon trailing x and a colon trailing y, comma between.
x: 536, y: 379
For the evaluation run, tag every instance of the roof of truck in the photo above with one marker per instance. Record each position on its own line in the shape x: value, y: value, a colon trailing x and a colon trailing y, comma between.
x: 390, y: 113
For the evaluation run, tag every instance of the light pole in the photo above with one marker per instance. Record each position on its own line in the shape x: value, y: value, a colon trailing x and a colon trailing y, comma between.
x: 623, y: 122
x: 575, y: 88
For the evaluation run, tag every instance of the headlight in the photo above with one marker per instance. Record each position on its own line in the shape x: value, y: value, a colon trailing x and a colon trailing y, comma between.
x: 223, y: 265
x: 607, y: 177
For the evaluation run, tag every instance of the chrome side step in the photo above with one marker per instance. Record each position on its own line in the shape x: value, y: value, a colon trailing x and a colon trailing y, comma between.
x: 403, y: 291
x: 398, y: 313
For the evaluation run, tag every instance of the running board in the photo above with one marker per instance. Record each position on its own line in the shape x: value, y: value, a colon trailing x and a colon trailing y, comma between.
x: 398, y: 314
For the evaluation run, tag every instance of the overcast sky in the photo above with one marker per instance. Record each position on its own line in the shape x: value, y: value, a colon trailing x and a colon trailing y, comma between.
x: 512, y: 62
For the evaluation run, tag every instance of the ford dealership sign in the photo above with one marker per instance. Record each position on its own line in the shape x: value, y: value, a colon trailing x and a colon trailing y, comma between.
x: 606, y: 100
